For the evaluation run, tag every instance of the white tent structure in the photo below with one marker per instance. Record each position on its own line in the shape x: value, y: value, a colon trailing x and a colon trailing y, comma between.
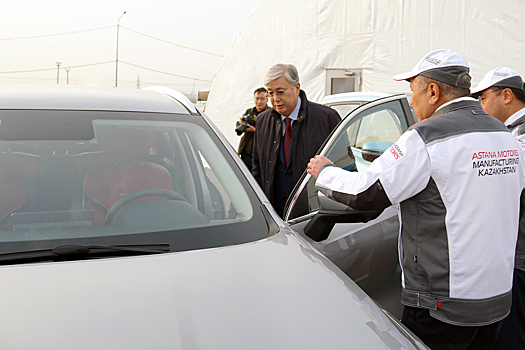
x: 358, y: 45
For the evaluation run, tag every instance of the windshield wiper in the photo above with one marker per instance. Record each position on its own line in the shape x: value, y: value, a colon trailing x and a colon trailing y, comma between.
x: 81, y: 249
x: 98, y: 248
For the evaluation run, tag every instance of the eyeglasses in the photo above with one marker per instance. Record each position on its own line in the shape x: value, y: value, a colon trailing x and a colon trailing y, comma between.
x: 480, y: 97
x: 278, y: 93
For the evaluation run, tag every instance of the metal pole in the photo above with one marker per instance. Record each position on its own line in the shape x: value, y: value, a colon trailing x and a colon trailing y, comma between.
x: 116, y: 59
x: 58, y: 70
x: 194, y: 95
x: 67, y: 74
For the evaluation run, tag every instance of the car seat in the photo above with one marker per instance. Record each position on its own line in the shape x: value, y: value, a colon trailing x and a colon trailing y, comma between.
x: 122, y: 171
x: 15, y: 171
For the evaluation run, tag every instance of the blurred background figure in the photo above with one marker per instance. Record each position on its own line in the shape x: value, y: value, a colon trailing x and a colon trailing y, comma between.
x: 246, y: 126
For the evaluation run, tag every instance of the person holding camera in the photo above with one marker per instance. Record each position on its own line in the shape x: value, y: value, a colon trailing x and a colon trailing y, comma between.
x: 246, y: 126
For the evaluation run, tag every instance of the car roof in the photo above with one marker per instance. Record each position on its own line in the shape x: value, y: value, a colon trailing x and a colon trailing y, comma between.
x: 366, y: 96
x: 74, y: 97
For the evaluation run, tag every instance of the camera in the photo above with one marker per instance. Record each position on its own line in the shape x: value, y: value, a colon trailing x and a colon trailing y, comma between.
x: 247, y: 120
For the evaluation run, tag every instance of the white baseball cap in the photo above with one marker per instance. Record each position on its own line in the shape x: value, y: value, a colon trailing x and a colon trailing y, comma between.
x: 445, y: 66
x: 501, y: 76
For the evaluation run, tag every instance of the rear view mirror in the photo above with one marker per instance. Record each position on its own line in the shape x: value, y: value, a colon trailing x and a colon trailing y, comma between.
x: 372, y: 150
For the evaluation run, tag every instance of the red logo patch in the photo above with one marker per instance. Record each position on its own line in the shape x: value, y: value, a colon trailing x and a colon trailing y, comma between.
x: 394, y: 152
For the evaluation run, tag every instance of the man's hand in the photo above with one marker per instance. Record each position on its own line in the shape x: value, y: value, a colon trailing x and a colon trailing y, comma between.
x: 249, y: 128
x: 315, y: 165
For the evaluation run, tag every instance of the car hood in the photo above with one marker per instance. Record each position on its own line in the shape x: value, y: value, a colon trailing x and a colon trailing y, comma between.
x: 270, y: 294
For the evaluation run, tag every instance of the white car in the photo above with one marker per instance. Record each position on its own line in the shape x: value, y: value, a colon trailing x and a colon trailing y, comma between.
x: 128, y: 222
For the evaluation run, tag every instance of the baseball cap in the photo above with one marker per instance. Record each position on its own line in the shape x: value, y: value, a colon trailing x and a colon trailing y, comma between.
x: 501, y: 76
x: 445, y: 66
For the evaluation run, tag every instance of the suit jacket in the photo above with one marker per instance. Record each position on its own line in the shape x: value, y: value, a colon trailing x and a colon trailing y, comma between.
x: 314, y: 124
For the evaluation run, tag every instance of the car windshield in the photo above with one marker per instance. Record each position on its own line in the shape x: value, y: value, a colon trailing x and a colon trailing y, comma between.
x: 87, y: 177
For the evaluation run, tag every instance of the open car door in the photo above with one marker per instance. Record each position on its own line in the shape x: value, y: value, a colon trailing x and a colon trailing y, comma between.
x: 362, y: 244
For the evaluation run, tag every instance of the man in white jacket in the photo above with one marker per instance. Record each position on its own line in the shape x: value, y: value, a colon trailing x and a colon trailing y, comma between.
x: 502, y: 95
x: 457, y: 176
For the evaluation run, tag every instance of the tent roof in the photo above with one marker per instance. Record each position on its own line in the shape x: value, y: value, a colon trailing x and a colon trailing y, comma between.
x: 380, y: 37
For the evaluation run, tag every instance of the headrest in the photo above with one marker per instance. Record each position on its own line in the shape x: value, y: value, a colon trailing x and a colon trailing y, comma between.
x: 123, y: 142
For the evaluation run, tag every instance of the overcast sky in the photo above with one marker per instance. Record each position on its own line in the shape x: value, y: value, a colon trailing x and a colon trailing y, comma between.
x: 31, y: 41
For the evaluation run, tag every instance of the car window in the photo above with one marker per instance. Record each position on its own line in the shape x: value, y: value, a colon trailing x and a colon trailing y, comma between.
x: 379, y: 125
x: 113, y: 174
x: 383, y: 125
x: 345, y: 109
x: 385, y: 122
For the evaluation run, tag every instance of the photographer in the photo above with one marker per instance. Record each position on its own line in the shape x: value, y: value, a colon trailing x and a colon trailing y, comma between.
x: 246, y: 126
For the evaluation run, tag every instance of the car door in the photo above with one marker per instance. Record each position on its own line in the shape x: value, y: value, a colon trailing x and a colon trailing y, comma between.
x: 367, y: 252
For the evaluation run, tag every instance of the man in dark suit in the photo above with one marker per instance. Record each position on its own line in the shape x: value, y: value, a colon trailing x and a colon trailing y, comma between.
x: 288, y: 134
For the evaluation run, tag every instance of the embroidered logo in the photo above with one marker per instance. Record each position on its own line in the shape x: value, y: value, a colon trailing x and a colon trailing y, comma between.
x: 522, y: 144
x: 475, y: 111
x: 396, y: 151
x: 433, y: 60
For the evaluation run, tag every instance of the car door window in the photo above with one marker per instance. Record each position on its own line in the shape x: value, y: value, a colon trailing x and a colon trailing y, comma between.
x: 382, y: 123
x: 385, y: 122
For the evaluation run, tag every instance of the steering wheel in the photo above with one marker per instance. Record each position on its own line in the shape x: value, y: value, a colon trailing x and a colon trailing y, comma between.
x: 7, y: 217
x: 159, y: 192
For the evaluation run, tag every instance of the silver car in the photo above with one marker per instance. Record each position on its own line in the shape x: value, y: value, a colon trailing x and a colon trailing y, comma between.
x: 128, y: 222
x: 362, y: 244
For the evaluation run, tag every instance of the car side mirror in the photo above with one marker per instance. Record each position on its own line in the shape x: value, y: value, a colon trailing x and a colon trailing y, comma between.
x: 331, y: 213
x: 372, y: 150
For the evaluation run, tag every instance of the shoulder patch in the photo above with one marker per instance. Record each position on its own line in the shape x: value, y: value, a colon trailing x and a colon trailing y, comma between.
x: 476, y: 111
x: 396, y: 151
x: 522, y: 144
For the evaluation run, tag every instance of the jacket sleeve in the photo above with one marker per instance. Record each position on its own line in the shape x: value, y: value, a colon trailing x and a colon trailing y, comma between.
x: 335, y: 118
x: 256, y: 171
x: 399, y: 173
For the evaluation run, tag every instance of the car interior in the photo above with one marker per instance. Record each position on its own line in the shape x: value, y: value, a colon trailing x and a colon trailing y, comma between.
x: 115, y: 175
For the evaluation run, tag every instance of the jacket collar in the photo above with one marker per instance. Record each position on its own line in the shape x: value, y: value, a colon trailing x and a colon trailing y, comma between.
x: 460, y: 103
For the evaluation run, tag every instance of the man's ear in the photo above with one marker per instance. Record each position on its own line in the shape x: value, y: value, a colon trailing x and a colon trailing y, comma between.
x: 433, y: 93
x: 508, y: 96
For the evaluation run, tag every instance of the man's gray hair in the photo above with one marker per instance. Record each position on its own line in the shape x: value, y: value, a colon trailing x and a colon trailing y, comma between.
x: 281, y: 69
x: 449, y: 92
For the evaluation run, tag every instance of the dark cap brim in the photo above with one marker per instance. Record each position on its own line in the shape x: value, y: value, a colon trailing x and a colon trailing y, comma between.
x: 512, y: 82
x: 449, y: 75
